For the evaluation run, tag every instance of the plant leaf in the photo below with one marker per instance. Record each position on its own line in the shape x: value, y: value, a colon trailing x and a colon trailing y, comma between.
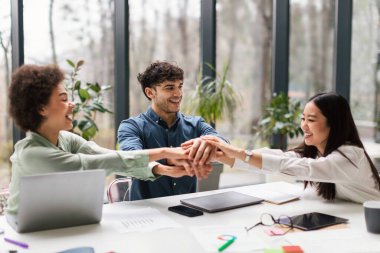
x: 70, y: 63
x: 83, y: 95
x: 80, y: 63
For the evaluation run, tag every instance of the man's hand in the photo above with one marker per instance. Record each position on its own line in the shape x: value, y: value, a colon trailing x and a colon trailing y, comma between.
x: 200, y: 171
x: 200, y: 152
x: 189, y: 167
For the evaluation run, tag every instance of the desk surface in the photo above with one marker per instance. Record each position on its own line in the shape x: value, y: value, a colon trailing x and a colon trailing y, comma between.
x: 104, y: 238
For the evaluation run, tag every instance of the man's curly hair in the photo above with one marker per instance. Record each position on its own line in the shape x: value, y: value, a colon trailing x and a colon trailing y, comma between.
x: 158, y: 72
x: 30, y: 91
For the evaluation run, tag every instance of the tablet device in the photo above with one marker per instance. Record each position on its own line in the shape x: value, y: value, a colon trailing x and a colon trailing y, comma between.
x: 313, y: 221
x: 221, y: 201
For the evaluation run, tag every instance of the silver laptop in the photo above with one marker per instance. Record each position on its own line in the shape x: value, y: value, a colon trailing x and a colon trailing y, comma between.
x: 221, y: 201
x: 58, y: 200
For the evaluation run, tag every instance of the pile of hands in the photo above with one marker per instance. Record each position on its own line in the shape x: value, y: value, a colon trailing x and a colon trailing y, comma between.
x: 194, y: 157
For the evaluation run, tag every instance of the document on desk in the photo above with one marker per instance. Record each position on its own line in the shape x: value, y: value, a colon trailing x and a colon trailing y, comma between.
x: 211, y: 238
x: 337, y: 240
x: 144, y: 219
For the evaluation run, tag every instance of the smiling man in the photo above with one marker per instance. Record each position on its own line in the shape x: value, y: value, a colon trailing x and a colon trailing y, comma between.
x: 162, y: 125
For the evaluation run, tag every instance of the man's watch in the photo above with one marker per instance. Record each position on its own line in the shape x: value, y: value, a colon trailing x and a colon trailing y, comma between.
x: 248, y: 155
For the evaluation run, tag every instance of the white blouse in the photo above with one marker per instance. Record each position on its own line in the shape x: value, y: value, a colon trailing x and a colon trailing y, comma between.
x: 352, y: 182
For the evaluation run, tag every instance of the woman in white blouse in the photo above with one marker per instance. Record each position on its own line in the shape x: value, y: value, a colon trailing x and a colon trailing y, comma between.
x: 331, y: 158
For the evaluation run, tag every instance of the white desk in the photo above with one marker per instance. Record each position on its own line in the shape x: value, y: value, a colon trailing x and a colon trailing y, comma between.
x: 104, y: 238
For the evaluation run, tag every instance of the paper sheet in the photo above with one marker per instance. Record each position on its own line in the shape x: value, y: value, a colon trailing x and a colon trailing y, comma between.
x: 275, y: 197
x: 144, y: 219
x: 208, y: 237
x: 339, y: 240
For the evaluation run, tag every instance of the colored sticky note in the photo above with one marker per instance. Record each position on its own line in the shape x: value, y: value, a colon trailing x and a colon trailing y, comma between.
x: 292, y: 249
x: 274, y: 231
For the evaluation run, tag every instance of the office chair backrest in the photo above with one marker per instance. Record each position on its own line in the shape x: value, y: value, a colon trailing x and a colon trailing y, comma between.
x: 118, y: 190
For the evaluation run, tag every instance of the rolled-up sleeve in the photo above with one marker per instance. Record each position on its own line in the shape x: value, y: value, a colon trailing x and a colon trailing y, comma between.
x: 89, y: 156
x: 128, y: 163
x: 332, y: 168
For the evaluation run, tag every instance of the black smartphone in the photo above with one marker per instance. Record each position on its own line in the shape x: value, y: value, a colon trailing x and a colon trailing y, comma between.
x: 184, y: 210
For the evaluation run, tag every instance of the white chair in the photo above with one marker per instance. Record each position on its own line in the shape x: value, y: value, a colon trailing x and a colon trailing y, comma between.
x: 118, y: 190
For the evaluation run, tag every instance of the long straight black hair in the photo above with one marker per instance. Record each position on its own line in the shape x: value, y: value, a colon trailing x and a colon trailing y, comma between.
x: 343, y: 131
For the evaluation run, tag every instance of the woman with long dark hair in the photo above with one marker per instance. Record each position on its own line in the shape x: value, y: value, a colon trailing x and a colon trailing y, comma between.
x: 331, y: 158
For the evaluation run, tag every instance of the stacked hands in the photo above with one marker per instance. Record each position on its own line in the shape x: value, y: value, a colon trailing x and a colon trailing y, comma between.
x: 194, y: 157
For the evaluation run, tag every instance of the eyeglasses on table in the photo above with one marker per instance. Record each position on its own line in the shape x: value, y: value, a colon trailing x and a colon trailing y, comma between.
x: 267, y: 219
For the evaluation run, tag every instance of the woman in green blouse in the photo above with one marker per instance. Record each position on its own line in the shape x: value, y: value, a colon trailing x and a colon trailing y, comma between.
x: 40, y: 106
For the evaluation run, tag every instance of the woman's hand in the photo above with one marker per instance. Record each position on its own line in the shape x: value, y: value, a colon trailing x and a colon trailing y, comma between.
x: 175, y: 153
x: 200, y: 171
x: 171, y: 171
x: 199, y: 151
x: 189, y: 167
x: 225, y: 154
x: 231, y: 153
x: 226, y: 148
x: 165, y: 153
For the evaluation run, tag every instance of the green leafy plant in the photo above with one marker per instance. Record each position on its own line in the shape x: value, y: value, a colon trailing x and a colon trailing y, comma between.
x: 213, y: 97
x: 377, y: 124
x: 88, y: 99
x: 281, y: 117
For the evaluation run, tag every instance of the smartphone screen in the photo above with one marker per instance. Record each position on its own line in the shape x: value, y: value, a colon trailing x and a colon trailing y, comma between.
x: 184, y: 210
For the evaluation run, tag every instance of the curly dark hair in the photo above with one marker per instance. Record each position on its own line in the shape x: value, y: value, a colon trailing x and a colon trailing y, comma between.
x: 30, y: 91
x: 158, y: 72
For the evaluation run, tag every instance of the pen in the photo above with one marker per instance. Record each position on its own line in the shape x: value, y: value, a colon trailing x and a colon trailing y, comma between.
x: 20, y: 244
x: 226, y: 244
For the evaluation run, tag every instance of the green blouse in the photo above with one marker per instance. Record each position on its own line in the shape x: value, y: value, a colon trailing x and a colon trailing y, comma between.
x: 35, y: 154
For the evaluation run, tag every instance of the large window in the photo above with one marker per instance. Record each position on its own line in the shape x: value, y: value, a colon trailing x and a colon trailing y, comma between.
x: 311, y: 47
x: 162, y: 30
x: 60, y: 30
x: 6, y: 144
x: 365, y: 61
x: 244, y: 41
x: 365, y: 74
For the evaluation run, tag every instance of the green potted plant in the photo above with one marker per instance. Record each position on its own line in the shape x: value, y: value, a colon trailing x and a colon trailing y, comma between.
x: 213, y: 99
x: 88, y: 99
x: 281, y: 118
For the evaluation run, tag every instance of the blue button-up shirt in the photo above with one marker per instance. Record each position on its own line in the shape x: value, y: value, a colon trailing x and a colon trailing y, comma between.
x: 147, y: 131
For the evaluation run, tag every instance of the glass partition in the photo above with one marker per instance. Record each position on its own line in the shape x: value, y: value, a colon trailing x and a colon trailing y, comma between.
x: 244, y: 41
x: 311, y: 45
x: 365, y: 74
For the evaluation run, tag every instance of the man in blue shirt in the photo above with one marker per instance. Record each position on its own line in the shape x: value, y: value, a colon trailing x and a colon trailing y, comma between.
x: 162, y: 125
